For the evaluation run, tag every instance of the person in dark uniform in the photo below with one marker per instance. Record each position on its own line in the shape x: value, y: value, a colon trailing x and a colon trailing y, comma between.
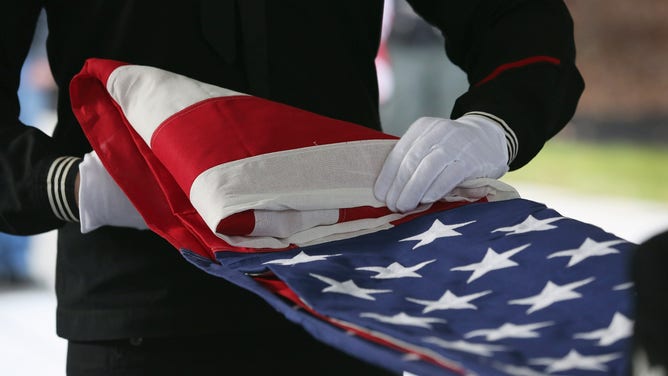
x: 125, y: 296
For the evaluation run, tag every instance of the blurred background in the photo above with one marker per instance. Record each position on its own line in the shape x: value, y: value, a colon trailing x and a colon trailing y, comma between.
x: 607, y: 168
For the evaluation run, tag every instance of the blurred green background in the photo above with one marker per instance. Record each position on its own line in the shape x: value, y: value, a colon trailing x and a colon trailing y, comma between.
x: 616, y: 168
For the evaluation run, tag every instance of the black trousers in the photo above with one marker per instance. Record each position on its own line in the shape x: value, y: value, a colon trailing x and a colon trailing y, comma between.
x: 299, y: 354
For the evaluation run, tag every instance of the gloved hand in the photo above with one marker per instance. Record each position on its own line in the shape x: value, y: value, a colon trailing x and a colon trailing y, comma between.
x: 435, y: 155
x: 101, y: 201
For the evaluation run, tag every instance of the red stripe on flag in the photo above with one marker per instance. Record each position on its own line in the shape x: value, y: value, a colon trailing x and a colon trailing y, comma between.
x: 163, y: 205
x: 225, y: 129
x: 237, y: 224
x: 114, y: 140
x: 101, y: 68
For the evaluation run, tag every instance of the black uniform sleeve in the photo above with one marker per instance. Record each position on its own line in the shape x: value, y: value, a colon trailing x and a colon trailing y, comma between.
x: 519, y: 57
x: 36, y: 181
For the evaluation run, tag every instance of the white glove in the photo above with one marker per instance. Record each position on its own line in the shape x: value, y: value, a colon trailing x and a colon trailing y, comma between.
x: 101, y: 201
x: 436, y: 155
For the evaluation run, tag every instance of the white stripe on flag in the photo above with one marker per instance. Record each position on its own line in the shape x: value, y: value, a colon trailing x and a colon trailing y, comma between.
x: 331, y: 176
x: 148, y: 96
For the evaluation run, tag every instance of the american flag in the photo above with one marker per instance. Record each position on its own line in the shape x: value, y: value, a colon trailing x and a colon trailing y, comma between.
x: 502, y: 286
x: 499, y: 288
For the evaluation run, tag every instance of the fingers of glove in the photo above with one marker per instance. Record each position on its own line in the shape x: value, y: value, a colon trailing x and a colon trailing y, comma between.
x: 454, y: 174
x: 424, y: 160
x: 430, y: 168
x: 396, y: 157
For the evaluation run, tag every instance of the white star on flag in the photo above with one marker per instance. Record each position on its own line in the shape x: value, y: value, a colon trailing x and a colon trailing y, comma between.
x: 510, y: 330
x: 348, y: 287
x: 551, y: 294
x: 437, y: 230
x: 402, y: 318
x: 449, y: 301
x: 469, y: 347
x: 620, y: 327
x: 589, y: 248
x: 409, y: 357
x: 300, y: 258
x: 623, y: 286
x: 530, y: 224
x: 395, y: 270
x: 575, y: 360
x: 491, y: 261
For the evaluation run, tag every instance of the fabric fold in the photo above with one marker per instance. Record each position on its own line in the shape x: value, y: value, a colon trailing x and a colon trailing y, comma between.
x: 258, y: 173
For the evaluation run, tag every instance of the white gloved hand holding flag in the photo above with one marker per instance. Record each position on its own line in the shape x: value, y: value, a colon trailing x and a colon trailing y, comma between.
x: 101, y: 201
x: 435, y: 156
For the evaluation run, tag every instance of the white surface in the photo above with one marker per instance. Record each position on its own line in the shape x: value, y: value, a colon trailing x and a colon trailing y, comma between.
x: 630, y: 219
x: 29, y: 345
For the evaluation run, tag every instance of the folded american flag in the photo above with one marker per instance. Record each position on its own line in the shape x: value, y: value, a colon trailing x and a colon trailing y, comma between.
x: 279, y: 201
